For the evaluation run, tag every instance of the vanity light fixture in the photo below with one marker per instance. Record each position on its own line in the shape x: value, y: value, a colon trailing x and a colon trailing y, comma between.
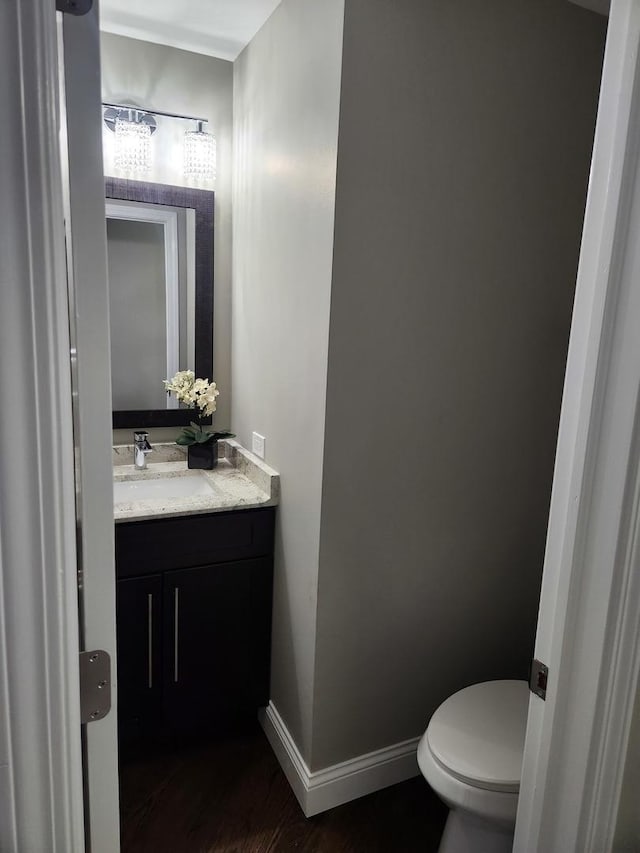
x: 134, y: 126
x: 133, y: 129
x: 199, y: 154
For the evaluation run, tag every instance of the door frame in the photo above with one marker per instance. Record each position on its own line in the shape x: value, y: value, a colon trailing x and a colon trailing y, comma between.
x: 590, y: 608
x: 41, y: 786
x: 56, y: 504
x: 589, y: 618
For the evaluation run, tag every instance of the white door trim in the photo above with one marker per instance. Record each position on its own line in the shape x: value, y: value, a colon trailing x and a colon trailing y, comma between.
x: 41, y: 804
x: 590, y: 602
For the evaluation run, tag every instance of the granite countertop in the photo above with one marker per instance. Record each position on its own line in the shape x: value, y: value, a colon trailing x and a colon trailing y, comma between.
x: 240, y: 481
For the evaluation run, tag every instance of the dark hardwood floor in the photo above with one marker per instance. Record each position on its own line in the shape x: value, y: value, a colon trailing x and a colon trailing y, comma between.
x: 232, y: 797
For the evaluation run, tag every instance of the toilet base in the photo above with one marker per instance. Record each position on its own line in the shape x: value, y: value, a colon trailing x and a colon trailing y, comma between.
x: 466, y: 833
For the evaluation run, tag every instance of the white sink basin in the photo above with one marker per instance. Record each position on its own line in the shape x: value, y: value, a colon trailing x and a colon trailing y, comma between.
x: 161, y: 488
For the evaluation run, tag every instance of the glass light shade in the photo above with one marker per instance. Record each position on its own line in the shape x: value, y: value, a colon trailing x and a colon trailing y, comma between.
x: 199, y: 155
x: 133, y: 147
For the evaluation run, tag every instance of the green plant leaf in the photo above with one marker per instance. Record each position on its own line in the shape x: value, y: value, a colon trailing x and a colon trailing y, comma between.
x: 204, y: 438
x: 185, y: 440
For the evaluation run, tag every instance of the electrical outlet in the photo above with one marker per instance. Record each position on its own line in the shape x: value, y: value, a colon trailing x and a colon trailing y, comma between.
x: 257, y: 444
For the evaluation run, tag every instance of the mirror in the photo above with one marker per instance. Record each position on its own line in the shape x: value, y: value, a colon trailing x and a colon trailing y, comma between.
x: 160, y: 253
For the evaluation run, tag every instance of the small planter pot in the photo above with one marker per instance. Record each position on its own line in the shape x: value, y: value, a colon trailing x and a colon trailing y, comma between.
x: 203, y: 456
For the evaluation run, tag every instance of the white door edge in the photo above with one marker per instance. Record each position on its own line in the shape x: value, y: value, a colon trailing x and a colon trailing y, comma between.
x: 590, y: 602
x: 89, y: 298
x: 41, y: 806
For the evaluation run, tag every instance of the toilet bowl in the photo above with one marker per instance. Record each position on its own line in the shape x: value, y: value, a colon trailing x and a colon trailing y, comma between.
x: 471, y: 755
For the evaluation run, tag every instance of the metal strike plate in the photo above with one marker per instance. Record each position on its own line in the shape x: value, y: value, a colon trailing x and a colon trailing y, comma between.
x: 95, y: 685
x: 74, y: 7
x: 538, y: 680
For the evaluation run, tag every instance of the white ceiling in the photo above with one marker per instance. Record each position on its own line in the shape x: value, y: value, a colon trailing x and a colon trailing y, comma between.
x: 219, y: 28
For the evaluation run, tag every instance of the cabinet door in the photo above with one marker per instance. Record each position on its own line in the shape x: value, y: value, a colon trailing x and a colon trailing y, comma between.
x: 208, y: 647
x: 139, y: 636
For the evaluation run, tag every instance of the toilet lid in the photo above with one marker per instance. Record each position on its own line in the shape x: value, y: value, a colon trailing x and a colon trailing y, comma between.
x: 478, y: 734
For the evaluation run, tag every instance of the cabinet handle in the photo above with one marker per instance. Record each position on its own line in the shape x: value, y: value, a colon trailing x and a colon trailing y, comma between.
x: 176, y: 593
x: 150, y: 638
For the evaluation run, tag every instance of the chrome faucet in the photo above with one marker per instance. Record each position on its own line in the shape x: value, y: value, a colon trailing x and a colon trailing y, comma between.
x: 141, y: 447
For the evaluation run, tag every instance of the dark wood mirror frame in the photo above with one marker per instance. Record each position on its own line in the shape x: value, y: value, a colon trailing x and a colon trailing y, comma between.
x: 203, y: 202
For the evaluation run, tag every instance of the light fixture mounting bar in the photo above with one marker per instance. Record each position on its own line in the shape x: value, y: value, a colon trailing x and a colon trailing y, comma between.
x: 111, y: 116
x: 155, y: 112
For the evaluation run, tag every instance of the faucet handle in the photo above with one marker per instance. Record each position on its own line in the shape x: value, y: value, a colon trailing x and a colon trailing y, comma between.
x: 141, y: 440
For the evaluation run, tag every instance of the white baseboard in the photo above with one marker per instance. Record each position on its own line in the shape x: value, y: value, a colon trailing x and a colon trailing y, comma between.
x: 320, y: 790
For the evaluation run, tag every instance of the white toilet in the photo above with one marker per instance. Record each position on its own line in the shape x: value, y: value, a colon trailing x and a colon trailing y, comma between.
x: 471, y: 755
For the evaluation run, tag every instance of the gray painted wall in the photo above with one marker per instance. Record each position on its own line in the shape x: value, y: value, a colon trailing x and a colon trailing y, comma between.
x: 172, y: 80
x: 464, y: 149
x: 286, y: 101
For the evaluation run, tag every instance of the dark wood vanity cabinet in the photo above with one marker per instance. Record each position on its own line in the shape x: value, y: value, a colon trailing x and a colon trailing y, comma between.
x: 193, y: 622
x: 139, y: 635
